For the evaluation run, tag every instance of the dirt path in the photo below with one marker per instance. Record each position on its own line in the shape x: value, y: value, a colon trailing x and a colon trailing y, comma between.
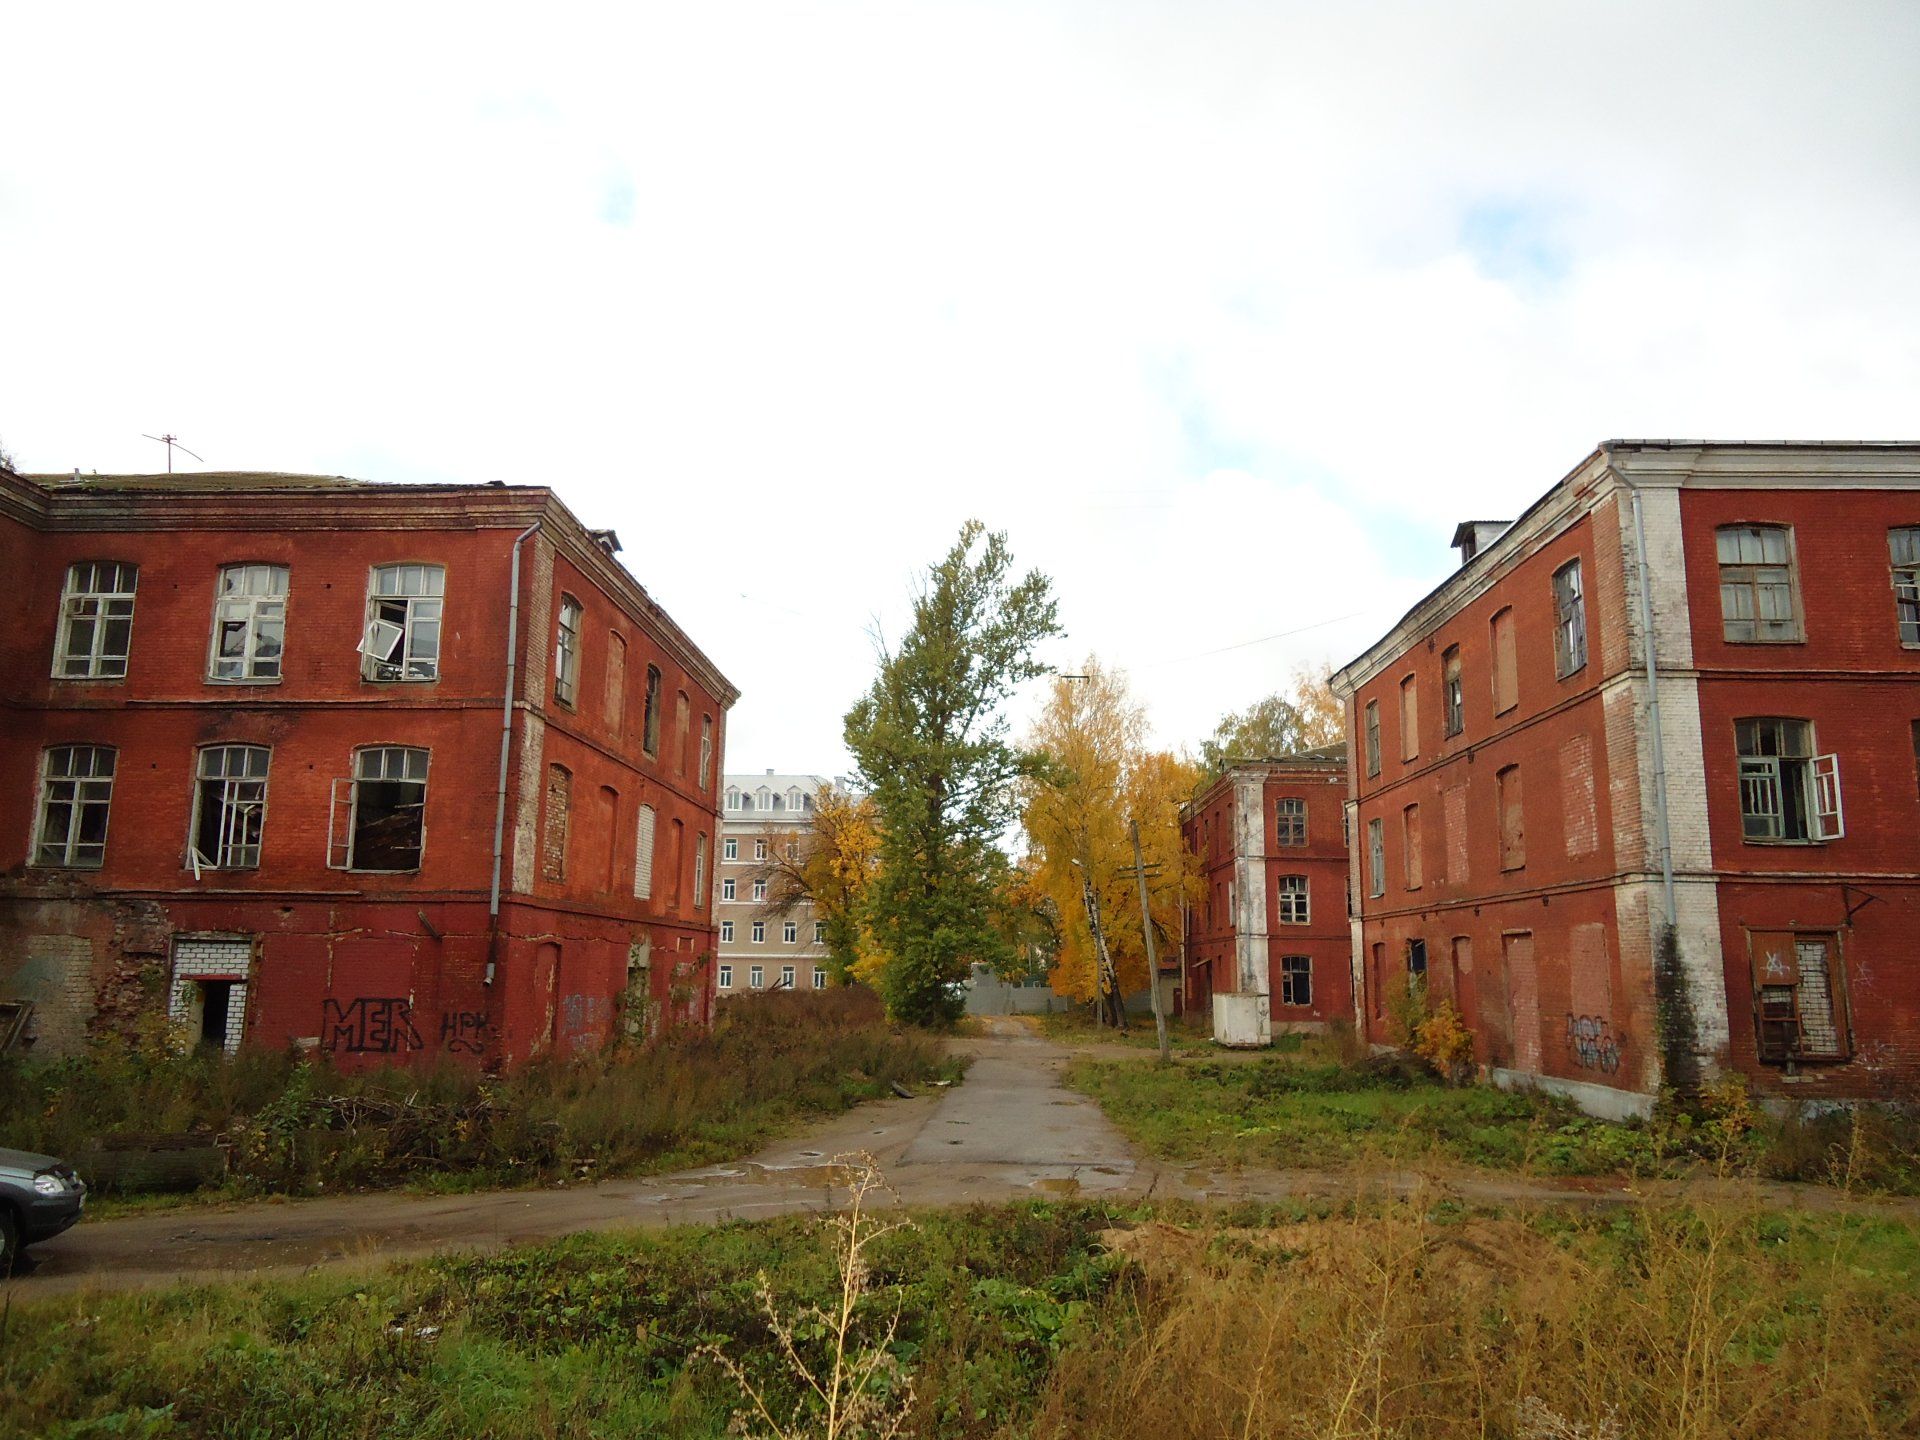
x: 1010, y: 1130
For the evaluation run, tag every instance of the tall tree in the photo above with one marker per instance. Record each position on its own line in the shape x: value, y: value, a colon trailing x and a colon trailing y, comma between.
x: 1075, y: 812
x: 829, y: 865
x: 1304, y: 716
x: 1323, y: 719
x: 930, y: 743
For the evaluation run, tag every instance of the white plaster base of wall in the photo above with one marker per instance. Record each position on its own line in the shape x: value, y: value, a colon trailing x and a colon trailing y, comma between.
x: 1244, y: 1022
x: 1602, y: 1101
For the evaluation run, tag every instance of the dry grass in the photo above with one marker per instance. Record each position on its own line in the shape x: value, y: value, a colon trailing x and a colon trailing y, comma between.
x: 1671, y: 1324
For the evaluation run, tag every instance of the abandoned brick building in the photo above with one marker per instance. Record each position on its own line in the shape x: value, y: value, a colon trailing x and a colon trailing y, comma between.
x: 1268, y: 947
x: 384, y: 771
x: 1636, y: 786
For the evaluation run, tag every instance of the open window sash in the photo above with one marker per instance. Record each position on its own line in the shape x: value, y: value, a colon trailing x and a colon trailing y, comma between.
x: 340, y: 826
x: 1829, y: 820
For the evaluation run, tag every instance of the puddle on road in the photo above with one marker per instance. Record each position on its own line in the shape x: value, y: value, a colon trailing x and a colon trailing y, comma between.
x: 1064, y: 1185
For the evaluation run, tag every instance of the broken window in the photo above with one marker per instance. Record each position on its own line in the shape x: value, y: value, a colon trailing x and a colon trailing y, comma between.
x: 1290, y: 822
x: 1376, y: 858
x: 1410, y: 844
x: 1756, y: 583
x: 706, y: 750
x: 76, y: 792
x: 402, y: 638
x: 1569, y: 621
x: 1293, y: 900
x: 1904, y: 546
x: 249, y: 623
x: 229, y: 807
x: 96, y: 621
x: 1506, y: 662
x: 1513, y: 818
x: 1453, y: 700
x: 553, y: 845
x: 644, y: 826
x: 1296, y: 980
x: 1797, y: 1012
x: 650, y: 714
x: 1373, y: 737
x: 1787, y: 792
x: 1416, y: 962
x: 1409, y: 720
x: 566, y: 652
x: 379, y: 816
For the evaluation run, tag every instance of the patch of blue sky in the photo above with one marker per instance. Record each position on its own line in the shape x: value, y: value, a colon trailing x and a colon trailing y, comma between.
x: 1520, y: 242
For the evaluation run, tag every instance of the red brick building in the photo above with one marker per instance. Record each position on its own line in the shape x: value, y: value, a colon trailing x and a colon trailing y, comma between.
x: 1268, y: 947
x: 262, y: 771
x: 1636, y: 865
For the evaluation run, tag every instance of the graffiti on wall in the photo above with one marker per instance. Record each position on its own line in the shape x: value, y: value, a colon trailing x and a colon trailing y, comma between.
x: 370, y: 1025
x: 463, y: 1032
x: 1591, y: 1043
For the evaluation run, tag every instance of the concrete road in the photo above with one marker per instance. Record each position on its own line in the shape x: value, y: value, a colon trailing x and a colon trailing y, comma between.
x: 1010, y: 1130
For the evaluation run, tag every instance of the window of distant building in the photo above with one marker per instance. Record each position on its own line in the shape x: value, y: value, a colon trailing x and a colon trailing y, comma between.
x: 759, y: 932
x: 757, y: 976
x: 1757, y: 604
x: 787, y: 977
x: 727, y: 889
x: 819, y: 977
x: 726, y: 971
x: 726, y: 932
x: 790, y: 932
x: 819, y: 932
x: 730, y: 850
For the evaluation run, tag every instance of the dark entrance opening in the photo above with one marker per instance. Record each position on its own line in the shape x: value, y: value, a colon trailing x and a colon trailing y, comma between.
x: 214, y: 995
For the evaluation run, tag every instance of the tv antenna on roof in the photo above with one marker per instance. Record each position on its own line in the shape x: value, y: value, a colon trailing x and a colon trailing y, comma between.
x: 170, y: 441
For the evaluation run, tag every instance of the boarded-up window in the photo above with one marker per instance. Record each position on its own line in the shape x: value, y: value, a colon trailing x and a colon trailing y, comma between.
x: 1410, y: 844
x: 1409, y: 719
x: 1798, y: 1013
x: 1506, y: 663
x: 609, y: 824
x: 682, y: 729
x: 644, y: 825
x: 678, y: 859
x: 1523, y: 996
x: 1577, y: 802
x: 1513, y: 819
x: 553, y: 845
x: 616, y: 696
x: 1454, y: 799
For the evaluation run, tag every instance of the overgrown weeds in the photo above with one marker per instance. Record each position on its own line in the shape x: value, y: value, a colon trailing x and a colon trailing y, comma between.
x: 295, y: 1125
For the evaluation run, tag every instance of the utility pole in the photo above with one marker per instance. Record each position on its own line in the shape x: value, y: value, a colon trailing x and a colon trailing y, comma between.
x: 1146, y: 933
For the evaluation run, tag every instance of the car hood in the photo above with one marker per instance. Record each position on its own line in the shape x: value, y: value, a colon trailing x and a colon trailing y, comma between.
x: 26, y: 1161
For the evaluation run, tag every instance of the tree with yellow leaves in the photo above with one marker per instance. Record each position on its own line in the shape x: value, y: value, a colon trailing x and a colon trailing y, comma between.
x: 828, y: 865
x: 1098, y: 775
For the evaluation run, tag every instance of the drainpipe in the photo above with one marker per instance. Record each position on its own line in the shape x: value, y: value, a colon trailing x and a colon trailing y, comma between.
x: 506, y: 717
x: 1661, y: 830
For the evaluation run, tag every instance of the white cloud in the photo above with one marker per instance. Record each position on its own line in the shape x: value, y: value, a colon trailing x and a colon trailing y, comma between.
x: 1225, y: 312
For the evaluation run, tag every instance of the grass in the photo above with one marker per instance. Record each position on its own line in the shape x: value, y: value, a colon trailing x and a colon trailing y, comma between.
x: 1316, y: 1112
x: 1078, y: 1027
x: 1417, y: 1319
x: 296, y: 1126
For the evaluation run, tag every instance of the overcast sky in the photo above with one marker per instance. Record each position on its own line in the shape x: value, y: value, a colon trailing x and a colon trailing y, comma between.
x: 1226, y: 312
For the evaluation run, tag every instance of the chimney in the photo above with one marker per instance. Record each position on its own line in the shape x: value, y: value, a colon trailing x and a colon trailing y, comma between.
x: 1470, y: 537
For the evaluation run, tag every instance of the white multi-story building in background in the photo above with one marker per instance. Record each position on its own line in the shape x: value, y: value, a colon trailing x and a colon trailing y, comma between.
x: 765, y: 815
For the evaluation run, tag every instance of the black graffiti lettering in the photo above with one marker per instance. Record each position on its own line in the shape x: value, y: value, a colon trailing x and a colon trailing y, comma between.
x: 463, y: 1031
x: 1591, y: 1043
x: 371, y: 1025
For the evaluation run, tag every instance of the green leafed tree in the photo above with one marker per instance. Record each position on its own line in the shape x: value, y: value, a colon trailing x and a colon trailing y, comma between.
x: 930, y: 743
x: 1303, y: 717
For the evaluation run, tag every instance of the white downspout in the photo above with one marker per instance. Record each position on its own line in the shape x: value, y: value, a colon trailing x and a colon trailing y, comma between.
x: 506, y: 717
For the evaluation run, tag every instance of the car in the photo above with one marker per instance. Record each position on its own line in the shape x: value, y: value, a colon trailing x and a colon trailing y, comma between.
x: 39, y: 1197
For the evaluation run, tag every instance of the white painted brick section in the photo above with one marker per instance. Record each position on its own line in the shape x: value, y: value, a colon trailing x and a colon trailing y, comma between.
x: 212, y: 959
x: 1250, y: 887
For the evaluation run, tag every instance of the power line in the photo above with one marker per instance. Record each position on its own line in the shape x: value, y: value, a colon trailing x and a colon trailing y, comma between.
x: 1262, y: 640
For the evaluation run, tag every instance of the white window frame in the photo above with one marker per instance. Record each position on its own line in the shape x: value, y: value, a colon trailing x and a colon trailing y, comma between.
x: 724, y: 977
x: 700, y: 872
x: 1287, y: 894
x: 789, y: 978
x: 706, y: 750
x: 819, y: 977
x: 243, y: 806
x: 757, y: 977
x: 1294, y: 971
x: 340, y: 852
x: 727, y: 889
x: 1376, y: 858
x: 790, y: 933
x: 413, y: 596
x: 759, y: 889
x: 726, y: 932
x: 1569, y: 621
x: 77, y: 793
x: 819, y: 932
x: 99, y: 595
x: 759, y: 849
x: 1282, y: 826
x: 251, y: 600
x: 1763, y: 782
x: 730, y: 849
x: 759, y: 932
x: 566, y: 652
x: 1903, y: 550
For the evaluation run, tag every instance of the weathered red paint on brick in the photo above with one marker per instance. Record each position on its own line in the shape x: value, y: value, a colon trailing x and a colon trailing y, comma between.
x: 328, y: 945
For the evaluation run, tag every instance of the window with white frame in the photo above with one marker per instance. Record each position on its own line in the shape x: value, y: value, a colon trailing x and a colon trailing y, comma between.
x: 787, y: 976
x: 1788, y: 792
x: 763, y: 797
x: 726, y: 977
x: 759, y: 889
x: 733, y: 798
x: 819, y: 977
x: 726, y: 932
x: 1376, y: 858
x: 1903, y: 545
x: 759, y: 849
x: 1293, y: 900
x: 759, y: 932
x: 819, y: 932
x: 96, y: 621
x: 757, y: 976
x: 229, y: 807
x: 1756, y: 583
x: 1296, y: 980
x: 726, y: 889
x: 378, y: 819
x: 730, y: 849
x: 1453, y: 692
x: 566, y: 652
x: 76, y: 794
x: 249, y: 624
x: 402, y: 636
x: 790, y: 932
x: 793, y: 798
x: 1569, y: 621
x: 1290, y: 821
